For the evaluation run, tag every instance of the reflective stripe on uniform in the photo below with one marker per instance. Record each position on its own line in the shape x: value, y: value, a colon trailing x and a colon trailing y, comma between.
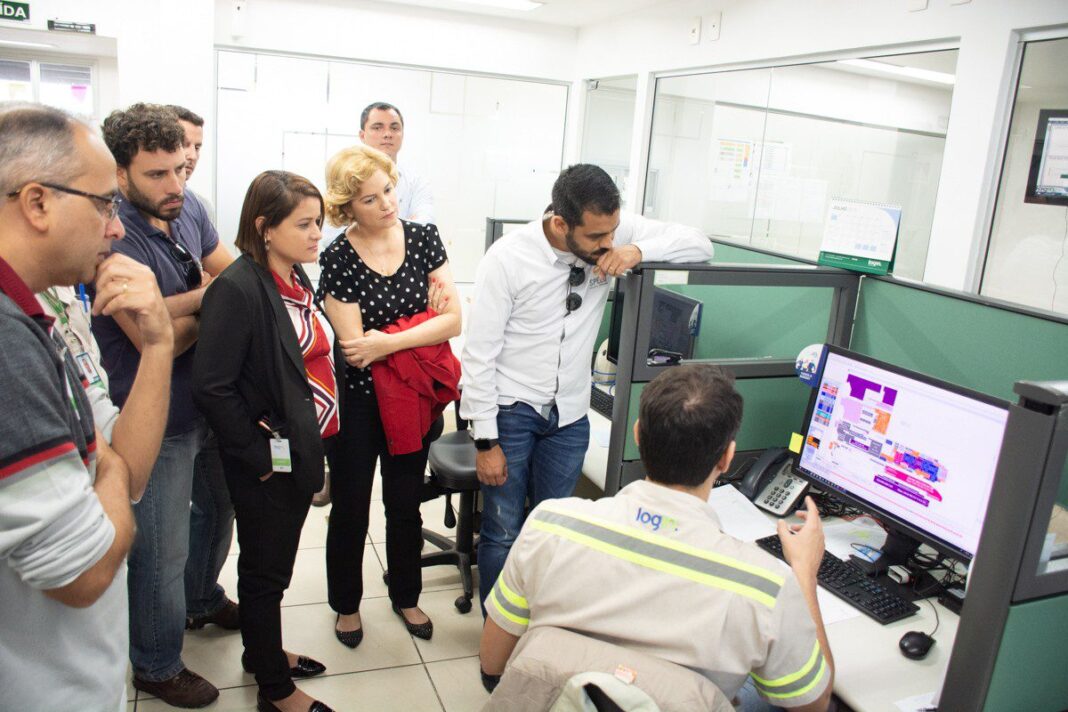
x: 509, y: 603
x: 797, y: 683
x: 661, y: 554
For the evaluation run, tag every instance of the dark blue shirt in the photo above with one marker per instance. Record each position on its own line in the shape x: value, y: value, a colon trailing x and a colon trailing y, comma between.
x: 148, y: 245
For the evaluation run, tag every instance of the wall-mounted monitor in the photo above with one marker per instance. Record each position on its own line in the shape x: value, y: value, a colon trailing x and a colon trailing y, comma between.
x: 1047, y: 181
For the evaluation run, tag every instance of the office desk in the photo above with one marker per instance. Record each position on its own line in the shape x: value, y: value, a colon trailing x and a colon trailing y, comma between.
x: 871, y: 674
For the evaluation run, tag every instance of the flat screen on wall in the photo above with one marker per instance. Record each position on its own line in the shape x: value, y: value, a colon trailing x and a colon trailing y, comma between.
x: 1047, y: 181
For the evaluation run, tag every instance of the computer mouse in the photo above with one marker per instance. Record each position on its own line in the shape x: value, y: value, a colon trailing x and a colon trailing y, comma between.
x: 916, y: 644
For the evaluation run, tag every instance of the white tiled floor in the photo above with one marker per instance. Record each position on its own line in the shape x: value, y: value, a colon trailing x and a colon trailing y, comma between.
x: 390, y: 671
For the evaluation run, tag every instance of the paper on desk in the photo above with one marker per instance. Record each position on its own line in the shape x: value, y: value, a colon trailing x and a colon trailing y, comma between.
x: 833, y: 609
x: 738, y: 516
x: 917, y: 703
x: 841, y: 535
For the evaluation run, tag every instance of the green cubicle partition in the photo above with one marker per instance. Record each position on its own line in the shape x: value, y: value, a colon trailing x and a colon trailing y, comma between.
x: 755, y: 319
x: 774, y: 408
x: 1011, y: 648
x: 734, y: 253
x: 977, y: 343
x: 757, y: 322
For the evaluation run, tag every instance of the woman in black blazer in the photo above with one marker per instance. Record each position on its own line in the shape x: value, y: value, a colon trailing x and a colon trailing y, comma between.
x: 264, y: 376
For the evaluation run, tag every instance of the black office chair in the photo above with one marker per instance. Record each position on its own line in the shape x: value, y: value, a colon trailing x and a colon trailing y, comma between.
x: 452, y: 471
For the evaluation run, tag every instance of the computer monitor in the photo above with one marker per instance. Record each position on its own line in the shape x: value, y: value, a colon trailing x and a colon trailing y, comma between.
x: 615, y: 322
x: 916, y: 452
x: 1047, y: 179
x: 676, y: 323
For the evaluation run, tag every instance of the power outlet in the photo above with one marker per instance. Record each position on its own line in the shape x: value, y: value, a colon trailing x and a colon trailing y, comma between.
x: 711, y: 27
x: 695, y: 30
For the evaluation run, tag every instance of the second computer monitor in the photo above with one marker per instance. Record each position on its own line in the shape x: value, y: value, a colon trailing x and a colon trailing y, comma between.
x: 675, y: 324
x: 917, y: 452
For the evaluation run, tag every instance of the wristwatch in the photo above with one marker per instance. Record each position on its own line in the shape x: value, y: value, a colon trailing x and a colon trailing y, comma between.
x: 483, y: 444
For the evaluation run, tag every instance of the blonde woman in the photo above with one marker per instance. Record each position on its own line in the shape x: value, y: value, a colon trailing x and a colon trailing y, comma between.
x: 380, y: 273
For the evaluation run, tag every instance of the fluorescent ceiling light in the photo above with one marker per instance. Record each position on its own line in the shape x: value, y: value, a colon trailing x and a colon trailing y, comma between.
x: 910, y: 72
x: 14, y: 43
x: 506, y: 4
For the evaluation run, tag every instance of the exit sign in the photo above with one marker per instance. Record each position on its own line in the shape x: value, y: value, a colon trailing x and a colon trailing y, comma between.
x: 14, y: 11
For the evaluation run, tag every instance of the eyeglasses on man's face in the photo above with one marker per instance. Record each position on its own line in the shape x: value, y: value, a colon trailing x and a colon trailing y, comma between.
x: 574, y: 279
x: 108, y: 206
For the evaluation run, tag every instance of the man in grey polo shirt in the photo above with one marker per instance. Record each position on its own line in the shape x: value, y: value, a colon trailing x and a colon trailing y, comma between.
x: 170, y: 233
x: 65, y: 518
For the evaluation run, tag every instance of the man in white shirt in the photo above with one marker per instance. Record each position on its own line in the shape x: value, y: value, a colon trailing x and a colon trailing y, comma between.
x: 540, y: 293
x: 382, y: 127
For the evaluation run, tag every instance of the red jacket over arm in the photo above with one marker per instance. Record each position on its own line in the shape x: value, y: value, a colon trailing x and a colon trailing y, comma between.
x: 413, y: 387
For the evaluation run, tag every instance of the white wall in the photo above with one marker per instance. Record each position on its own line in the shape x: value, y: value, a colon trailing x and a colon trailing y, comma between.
x: 357, y: 29
x: 489, y: 146
x: 163, y: 52
x: 165, y: 48
x: 766, y: 32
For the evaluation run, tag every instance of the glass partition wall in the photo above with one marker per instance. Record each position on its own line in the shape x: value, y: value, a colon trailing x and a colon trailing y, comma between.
x: 1025, y: 260
x: 609, y: 125
x: 754, y: 156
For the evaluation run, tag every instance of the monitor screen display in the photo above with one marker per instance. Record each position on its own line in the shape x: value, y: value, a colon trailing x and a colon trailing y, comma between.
x: 675, y: 326
x: 676, y: 319
x: 1047, y: 180
x: 916, y: 451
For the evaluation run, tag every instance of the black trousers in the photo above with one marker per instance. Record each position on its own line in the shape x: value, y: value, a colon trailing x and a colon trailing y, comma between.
x: 360, y: 444
x: 269, y: 516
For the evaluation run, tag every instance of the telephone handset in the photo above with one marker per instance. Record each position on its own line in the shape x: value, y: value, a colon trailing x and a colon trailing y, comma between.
x: 770, y: 485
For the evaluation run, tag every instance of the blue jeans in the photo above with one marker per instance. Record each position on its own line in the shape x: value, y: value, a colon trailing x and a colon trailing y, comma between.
x: 157, y: 559
x: 211, y: 529
x: 544, y: 462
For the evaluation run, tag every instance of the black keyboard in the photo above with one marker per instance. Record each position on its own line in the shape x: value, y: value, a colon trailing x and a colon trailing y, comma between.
x: 602, y: 402
x: 851, y: 585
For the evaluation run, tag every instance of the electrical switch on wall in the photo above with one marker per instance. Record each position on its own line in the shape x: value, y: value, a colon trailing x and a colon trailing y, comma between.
x: 711, y: 26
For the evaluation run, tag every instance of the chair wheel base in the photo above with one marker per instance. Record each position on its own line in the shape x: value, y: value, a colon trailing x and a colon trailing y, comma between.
x: 463, y: 604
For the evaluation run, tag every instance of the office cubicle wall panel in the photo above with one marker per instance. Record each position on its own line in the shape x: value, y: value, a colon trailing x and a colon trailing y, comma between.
x: 958, y: 338
x: 1031, y: 672
x: 758, y: 322
x: 754, y: 320
x: 1009, y: 652
x: 730, y: 253
x: 777, y: 406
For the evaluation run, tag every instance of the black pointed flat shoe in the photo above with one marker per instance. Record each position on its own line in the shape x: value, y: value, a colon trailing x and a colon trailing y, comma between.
x: 305, y: 667
x: 349, y: 638
x: 265, y: 705
x: 419, y: 630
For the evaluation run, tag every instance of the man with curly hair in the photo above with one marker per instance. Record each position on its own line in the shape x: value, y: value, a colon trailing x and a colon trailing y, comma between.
x: 168, y: 231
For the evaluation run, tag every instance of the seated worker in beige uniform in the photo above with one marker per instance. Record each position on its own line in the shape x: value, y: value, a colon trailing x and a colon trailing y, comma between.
x: 651, y: 570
